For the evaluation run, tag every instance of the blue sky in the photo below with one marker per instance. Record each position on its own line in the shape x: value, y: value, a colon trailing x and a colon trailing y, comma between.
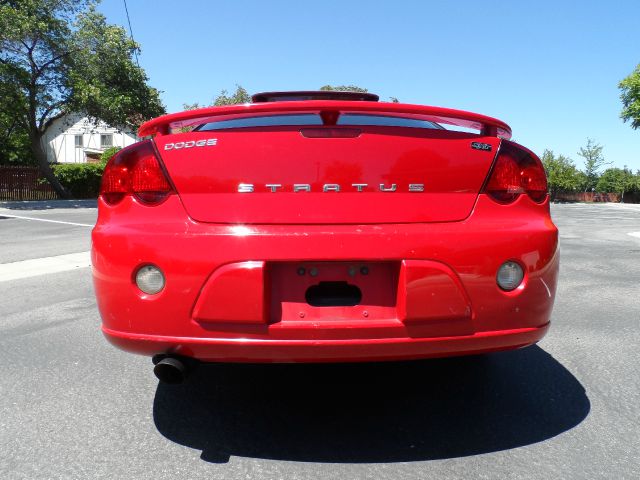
x: 548, y: 68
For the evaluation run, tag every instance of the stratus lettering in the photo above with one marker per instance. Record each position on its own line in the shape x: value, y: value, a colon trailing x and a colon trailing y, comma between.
x: 328, y: 187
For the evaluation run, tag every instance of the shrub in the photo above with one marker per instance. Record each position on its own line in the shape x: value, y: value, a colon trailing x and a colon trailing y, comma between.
x: 81, y: 179
x: 108, y: 153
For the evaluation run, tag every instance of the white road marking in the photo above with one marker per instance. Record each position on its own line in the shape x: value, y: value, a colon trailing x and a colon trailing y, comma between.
x: 634, y: 234
x: 42, y: 266
x: 2, y: 214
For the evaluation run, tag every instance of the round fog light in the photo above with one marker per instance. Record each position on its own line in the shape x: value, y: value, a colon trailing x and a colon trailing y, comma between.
x: 509, y: 276
x: 150, y: 279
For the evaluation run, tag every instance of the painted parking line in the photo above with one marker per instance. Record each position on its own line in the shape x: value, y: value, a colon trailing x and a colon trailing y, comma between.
x: 41, y: 266
x: 634, y: 234
x: 2, y: 214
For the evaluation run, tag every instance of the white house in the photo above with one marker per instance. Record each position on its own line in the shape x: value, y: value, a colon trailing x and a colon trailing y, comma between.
x: 74, y: 138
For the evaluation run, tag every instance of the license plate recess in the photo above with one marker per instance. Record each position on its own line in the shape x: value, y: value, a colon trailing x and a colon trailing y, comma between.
x: 333, y: 291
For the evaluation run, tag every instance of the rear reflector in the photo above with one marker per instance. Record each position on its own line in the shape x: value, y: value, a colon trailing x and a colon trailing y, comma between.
x: 516, y: 171
x: 150, y: 279
x: 136, y: 171
x: 509, y: 276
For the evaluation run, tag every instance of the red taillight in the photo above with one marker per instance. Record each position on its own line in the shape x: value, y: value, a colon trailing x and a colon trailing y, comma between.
x: 516, y: 171
x: 136, y: 171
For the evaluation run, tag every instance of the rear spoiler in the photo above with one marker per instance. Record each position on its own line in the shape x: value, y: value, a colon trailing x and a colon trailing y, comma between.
x: 329, y: 110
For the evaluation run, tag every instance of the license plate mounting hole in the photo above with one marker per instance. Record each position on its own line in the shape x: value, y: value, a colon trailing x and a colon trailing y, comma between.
x: 333, y: 294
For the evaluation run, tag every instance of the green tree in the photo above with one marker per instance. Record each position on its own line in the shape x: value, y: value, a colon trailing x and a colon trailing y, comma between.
x: 630, y: 96
x: 59, y: 56
x: 224, y: 98
x: 14, y: 141
x: 617, y: 180
x: 239, y: 96
x: 593, y: 162
x: 344, y: 88
x: 191, y: 106
x: 105, y: 80
x: 352, y: 88
x: 562, y: 174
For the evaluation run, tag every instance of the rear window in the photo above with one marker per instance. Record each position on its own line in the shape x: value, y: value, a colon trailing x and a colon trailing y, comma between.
x: 313, y: 119
x: 384, y: 121
x: 266, y: 121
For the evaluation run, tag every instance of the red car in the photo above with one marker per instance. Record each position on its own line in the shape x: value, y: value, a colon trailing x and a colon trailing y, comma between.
x: 323, y: 227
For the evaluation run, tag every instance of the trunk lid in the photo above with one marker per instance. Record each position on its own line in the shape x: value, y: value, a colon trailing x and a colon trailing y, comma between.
x: 278, y: 175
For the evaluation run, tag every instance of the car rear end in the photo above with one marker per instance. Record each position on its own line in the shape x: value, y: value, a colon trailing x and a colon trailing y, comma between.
x: 324, y: 230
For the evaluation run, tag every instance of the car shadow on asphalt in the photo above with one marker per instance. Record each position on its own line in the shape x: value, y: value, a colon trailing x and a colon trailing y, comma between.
x: 374, y: 412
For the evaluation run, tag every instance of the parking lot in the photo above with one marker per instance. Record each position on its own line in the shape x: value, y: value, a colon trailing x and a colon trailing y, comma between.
x: 72, y: 406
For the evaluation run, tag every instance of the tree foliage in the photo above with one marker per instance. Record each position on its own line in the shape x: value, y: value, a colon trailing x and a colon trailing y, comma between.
x: 224, y: 98
x: 59, y: 56
x: 562, y: 174
x: 618, y: 180
x: 105, y: 82
x: 33, y: 65
x: 344, y: 88
x: 352, y: 88
x: 108, y: 153
x: 630, y: 96
x: 593, y: 162
x: 238, y: 97
x: 191, y: 106
x: 14, y: 141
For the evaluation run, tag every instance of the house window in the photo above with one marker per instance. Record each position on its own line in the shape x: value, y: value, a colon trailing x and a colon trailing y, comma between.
x: 106, y: 140
x: 79, y: 141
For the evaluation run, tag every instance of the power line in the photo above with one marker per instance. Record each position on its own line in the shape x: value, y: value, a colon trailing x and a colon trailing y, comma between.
x: 135, y: 52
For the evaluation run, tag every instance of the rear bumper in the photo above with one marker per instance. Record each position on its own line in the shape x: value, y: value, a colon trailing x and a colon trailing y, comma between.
x: 445, y: 302
x: 311, y: 351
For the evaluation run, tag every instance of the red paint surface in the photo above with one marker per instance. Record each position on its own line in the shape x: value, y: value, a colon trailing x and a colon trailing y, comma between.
x: 219, y: 302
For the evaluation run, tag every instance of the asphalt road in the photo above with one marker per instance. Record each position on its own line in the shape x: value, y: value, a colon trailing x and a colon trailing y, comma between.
x: 72, y: 406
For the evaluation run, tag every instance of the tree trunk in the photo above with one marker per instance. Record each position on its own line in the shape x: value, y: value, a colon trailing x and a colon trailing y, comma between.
x: 45, y: 169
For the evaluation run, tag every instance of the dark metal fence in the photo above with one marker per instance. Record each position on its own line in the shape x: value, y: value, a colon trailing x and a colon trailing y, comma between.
x: 23, y: 183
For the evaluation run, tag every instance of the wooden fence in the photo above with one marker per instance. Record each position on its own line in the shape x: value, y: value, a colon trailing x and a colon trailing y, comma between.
x: 593, y: 197
x: 23, y: 183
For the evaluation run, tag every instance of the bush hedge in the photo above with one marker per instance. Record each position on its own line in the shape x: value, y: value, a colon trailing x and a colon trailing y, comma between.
x: 81, y: 179
x: 108, y: 153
